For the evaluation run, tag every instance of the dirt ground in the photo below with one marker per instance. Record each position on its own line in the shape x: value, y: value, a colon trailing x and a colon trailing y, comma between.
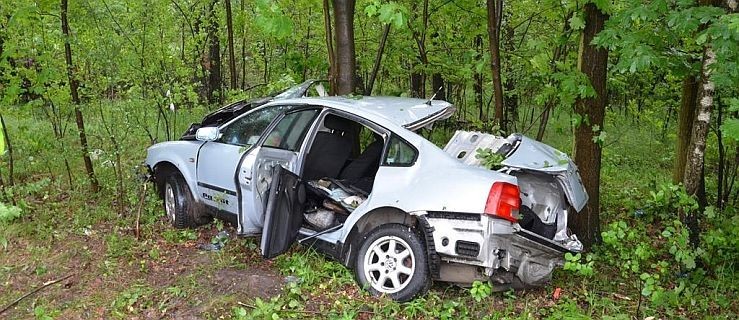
x: 151, y: 279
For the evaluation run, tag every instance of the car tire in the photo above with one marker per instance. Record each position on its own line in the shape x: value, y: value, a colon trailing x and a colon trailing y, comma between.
x: 392, y: 261
x: 179, y: 204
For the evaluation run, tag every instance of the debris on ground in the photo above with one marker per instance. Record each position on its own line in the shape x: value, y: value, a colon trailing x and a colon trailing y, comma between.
x: 217, y: 243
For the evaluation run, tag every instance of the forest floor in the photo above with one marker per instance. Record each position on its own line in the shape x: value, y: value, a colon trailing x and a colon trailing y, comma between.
x: 106, y: 273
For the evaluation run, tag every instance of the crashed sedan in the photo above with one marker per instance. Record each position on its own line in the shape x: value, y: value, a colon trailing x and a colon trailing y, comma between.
x: 350, y: 177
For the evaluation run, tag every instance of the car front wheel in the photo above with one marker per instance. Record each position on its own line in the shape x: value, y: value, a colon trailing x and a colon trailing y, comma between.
x: 392, y: 260
x: 179, y: 203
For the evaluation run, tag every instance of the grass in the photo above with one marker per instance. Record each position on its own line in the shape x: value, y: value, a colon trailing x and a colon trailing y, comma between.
x: 64, y: 229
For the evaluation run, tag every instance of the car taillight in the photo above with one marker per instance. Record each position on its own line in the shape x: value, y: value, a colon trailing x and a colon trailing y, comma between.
x: 503, y: 201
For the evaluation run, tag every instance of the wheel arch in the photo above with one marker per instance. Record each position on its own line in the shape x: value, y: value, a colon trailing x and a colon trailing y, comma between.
x: 390, y: 215
x: 163, y: 168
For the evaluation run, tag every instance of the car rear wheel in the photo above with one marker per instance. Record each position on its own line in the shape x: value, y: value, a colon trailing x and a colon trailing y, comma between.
x: 392, y: 260
x: 180, y: 205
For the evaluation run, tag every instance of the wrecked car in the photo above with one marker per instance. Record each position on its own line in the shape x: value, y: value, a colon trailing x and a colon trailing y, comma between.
x: 349, y: 177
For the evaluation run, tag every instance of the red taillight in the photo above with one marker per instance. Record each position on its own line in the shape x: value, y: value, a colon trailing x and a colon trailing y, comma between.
x: 503, y: 201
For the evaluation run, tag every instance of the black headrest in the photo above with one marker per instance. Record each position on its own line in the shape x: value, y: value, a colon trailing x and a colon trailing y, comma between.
x: 337, y: 123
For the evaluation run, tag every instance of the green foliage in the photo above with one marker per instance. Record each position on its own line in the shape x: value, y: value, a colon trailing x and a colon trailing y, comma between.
x: 488, y: 158
x: 480, y: 290
x: 389, y: 12
x: 8, y: 213
x: 574, y: 264
x: 179, y: 236
x: 668, y: 200
x: 40, y: 313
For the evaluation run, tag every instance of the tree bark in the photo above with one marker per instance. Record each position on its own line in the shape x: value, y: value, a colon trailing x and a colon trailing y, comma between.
x: 593, y: 63
x: 231, y: 55
x: 378, y: 60
x: 346, y: 63
x: 699, y: 132
x: 495, y: 18
x: 437, y: 84
x: 685, y: 123
x: 477, y: 84
x: 73, y: 88
x: 329, y: 47
x: 214, y: 57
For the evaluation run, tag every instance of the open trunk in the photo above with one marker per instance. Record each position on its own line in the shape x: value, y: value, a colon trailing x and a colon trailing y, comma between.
x: 548, y: 179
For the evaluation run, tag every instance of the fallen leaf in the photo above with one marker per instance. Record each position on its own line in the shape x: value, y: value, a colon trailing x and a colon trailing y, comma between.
x: 556, y: 294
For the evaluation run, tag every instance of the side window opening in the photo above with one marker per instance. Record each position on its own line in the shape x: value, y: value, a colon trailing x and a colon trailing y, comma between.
x: 246, y: 130
x: 400, y: 153
x: 291, y: 130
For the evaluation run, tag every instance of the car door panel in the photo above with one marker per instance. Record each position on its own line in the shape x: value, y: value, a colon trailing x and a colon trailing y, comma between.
x: 284, y: 212
x: 285, y: 151
x: 216, y: 167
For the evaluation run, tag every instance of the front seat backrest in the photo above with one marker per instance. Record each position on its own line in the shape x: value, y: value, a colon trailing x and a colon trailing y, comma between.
x: 330, y: 150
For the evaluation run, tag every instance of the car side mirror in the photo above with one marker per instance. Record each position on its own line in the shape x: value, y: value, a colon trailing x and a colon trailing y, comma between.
x: 208, y: 134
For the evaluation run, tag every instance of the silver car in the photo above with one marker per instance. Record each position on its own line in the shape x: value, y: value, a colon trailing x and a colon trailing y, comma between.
x: 350, y: 177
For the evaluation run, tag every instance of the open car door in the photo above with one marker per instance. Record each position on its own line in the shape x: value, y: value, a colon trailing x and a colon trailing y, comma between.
x: 283, y: 214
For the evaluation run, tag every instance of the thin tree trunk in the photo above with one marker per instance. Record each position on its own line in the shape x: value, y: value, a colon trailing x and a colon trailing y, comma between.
x: 495, y: 18
x: 243, y: 46
x: 305, y: 46
x: 332, y: 69
x: 593, y: 63
x: 231, y: 55
x: 437, y: 82
x: 73, y: 88
x: 684, y: 125
x: 477, y: 84
x: 722, y: 165
x: 378, y: 60
x: 696, y: 151
x: 11, y: 158
x: 214, y: 57
x: 345, y: 55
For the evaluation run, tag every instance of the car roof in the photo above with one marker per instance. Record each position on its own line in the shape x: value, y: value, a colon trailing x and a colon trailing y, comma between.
x: 398, y: 110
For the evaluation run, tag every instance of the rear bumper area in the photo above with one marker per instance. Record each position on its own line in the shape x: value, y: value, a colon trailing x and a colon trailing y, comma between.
x: 500, y: 250
x: 529, y: 256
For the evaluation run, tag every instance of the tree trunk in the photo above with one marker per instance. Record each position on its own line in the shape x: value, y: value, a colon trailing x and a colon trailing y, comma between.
x: 378, y: 60
x: 243, y: 47
x: 477, y: 84
x: 495, y: 18
x: 437, y: 84
x: 346, y: 63
x: 214, y: 57
x: 329, y: 47
x: 231, y: 55
x: 697, y: 148
x: 73, y: 88
x: 416, y: 85
x: 684, y: 125
x: 593, y: 63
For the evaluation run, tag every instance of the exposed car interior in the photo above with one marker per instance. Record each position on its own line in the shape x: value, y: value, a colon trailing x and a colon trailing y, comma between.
x: 339, y: 170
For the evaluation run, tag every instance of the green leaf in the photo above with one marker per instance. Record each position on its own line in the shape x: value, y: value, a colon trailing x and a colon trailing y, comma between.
x: 730, y: 129
x: 577, y: 23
